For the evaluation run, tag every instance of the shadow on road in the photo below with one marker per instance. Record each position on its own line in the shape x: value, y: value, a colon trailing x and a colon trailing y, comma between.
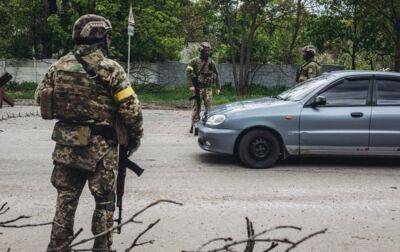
x: 218, y: 159
x: 342, y: 161
x: 312, y: 162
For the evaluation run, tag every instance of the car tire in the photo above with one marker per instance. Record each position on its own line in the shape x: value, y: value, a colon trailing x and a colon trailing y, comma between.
x: 259, y: 149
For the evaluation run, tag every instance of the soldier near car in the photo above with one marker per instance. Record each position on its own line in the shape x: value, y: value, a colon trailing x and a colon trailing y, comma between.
x: 203, y: 77
x: 86, y: 108
x: 310, y: 67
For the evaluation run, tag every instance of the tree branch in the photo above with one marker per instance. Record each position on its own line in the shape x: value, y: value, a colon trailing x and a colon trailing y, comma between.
x: 135, y: 242
x: 130, y: 220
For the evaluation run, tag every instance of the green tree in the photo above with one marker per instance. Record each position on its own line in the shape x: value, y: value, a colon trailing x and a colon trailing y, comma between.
x: 387, y: 17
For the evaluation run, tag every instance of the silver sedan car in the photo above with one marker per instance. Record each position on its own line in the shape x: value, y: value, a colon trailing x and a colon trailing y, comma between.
x: 353, y: 113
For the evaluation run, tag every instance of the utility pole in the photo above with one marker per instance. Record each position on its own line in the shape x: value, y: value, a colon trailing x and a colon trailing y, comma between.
x: 131, y: 32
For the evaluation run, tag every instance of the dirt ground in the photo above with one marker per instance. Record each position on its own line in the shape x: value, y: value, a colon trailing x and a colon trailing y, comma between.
x: 357, y: 200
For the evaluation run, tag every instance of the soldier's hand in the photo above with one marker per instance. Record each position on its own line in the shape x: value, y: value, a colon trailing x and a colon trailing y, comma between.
x: 192, y: 89
x: 218, y: 91
x: 133, y: 145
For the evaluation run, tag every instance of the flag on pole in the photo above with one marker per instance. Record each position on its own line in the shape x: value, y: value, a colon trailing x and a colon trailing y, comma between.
x: 131, y: 22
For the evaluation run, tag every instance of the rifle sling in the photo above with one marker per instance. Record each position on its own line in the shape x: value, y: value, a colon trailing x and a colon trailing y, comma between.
x: 91, y: 72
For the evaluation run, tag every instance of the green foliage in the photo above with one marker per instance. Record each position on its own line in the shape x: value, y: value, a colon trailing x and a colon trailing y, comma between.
x: 24, y: 26
x: 361, y: 34
x: 155, y: 94
x: 23, y: 86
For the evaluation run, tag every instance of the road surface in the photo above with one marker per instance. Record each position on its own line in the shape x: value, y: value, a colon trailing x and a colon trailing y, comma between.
x: 357, y: 200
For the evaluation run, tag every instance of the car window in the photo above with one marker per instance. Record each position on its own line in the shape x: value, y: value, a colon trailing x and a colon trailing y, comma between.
x: 388, y: 92
x: 303, y: 89
x: 348, y: 93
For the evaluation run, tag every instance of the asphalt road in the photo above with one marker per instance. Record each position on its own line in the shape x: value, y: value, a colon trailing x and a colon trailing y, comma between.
x: 357, y: 200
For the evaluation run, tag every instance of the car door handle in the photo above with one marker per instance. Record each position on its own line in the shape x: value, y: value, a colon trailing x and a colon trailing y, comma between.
x: 357, y: 114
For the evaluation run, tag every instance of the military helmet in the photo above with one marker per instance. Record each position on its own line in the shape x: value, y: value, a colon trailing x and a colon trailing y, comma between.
x: 91, y: 29
x: 309, y: 49
x: 204, y: 45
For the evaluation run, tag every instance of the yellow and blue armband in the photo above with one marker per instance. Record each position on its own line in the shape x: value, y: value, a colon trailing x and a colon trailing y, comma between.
x: 189, y: 69
x: 123, y: 94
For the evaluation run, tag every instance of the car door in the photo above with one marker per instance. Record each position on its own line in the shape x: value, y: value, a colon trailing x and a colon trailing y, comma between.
x: 385, y: 121
x: 341, y: 126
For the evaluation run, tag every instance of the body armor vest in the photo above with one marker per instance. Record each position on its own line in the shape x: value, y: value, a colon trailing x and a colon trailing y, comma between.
x: 207, y: 77
x: 78, y: 98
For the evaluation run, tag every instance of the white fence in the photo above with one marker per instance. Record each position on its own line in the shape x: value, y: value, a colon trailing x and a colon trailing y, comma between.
x: 164, y: 73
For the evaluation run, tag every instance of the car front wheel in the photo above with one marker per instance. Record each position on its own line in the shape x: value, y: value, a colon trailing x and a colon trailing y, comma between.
x: 259, y: 149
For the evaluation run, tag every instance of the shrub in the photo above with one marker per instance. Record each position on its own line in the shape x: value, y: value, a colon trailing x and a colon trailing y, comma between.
x: 20, y: 87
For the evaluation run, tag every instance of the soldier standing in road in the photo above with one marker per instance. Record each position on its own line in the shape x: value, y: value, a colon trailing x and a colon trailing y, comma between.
x: 86, y: 146
x: 203, y: 70
x: 310, y: 67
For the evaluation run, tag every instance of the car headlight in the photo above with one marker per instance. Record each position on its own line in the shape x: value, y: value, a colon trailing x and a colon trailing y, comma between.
x: 215, y: 120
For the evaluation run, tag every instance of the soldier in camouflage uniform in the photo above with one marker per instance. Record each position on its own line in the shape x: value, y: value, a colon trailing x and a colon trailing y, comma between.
x: 86, y: 145
x: 205, y: 70
x: 310, y: 68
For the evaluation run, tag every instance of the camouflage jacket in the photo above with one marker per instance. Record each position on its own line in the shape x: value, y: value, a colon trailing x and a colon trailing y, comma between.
x: 207, y: 75
x: 124, y: 101
x: 309, y: 69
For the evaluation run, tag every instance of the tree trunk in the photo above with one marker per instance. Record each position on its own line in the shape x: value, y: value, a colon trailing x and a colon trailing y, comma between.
x: 355, y: 42
x: 289, y: 56
x: 353, y: 58
x: 44, y: 39
x: 230, y: 22
x: 92, y: 6
x: 397, y: 56
x: 397, y: 45
x: 52, y: 6
x: 371, y: 63
x: 242, y: 82
x: 246, y: 47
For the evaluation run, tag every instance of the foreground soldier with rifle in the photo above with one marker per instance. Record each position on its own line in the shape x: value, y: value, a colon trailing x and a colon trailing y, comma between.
x: 202, y: 75
x: 97, y: 111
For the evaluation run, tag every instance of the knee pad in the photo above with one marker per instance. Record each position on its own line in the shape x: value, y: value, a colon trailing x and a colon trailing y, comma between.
x: 105, y: 202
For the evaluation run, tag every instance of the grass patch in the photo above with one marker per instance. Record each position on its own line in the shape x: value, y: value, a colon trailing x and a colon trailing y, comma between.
x: 23, y: 90
x: 160, y: 95
x: 178, y: 96
x: 20, y: 94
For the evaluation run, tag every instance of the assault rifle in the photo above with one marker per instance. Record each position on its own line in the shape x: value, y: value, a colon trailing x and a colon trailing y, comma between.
x: 4, y: 78
x: 196, y: 95
x: 124, y: 163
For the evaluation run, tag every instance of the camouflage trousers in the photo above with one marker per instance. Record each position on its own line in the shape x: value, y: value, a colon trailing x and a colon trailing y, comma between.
x: 206, y: 100
x: 69, y: 183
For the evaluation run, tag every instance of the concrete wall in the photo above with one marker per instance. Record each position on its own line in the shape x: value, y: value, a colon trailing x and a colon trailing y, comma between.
x: 165, y: 73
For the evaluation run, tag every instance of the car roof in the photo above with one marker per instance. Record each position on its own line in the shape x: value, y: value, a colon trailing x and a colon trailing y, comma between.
x: 345, y: 73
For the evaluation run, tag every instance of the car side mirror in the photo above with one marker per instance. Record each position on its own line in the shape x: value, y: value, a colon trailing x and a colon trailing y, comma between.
x: 319, y: 101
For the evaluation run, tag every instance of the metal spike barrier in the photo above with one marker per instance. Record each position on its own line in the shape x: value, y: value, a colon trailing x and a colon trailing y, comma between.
x: 11, y: 115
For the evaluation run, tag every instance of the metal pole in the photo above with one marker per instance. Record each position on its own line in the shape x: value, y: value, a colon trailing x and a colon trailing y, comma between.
x: 129, y: 57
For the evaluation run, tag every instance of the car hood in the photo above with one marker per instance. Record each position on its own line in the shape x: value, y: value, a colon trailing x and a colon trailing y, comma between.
x: 240, y: 106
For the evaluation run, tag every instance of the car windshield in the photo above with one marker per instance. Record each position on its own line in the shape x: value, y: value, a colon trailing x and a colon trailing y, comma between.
x: 301, y: 90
